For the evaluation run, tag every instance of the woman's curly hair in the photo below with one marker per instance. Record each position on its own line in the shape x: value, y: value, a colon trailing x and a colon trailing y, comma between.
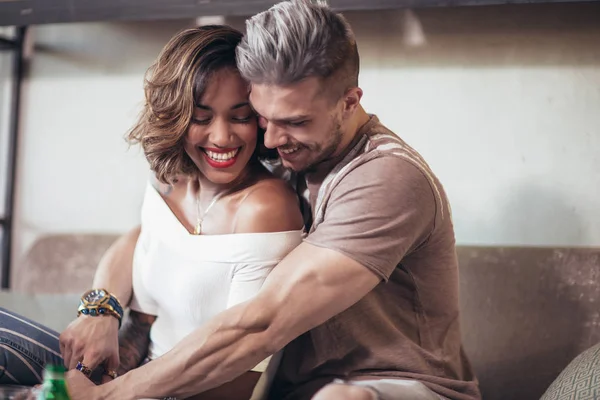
x: 173, y: 85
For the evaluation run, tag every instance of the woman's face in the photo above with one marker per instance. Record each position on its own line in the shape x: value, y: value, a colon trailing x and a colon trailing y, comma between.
x: 222, y: 135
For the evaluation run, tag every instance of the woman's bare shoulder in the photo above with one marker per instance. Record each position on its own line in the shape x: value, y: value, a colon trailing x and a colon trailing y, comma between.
x: 271, y: 205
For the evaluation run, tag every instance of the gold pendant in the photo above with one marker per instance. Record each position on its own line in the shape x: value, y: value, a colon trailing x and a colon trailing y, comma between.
x: 198, y: 228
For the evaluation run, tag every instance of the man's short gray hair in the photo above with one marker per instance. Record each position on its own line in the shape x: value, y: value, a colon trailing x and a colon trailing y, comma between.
x: 297, y: 39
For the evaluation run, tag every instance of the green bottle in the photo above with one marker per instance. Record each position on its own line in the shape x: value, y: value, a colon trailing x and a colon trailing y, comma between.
x: 54, y: 386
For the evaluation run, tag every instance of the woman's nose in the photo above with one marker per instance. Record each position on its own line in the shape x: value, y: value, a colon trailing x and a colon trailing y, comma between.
x: 220, y: 133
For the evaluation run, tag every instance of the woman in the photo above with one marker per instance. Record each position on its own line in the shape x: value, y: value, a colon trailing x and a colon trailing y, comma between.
x: 214, y: 221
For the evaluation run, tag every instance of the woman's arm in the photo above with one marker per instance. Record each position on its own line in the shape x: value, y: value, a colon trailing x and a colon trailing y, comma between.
x: 94, y: 340
x: 115, y: 268
x: 134, y: 340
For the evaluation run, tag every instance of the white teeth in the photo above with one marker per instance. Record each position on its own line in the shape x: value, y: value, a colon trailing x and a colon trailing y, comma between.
x: 289, y: 151
x: 222, y: 157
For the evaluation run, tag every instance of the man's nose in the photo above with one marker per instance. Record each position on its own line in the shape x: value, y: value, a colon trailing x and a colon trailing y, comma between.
x: 274, y: 136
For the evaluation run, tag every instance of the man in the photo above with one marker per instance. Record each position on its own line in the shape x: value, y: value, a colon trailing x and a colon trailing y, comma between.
x: 367, y: 305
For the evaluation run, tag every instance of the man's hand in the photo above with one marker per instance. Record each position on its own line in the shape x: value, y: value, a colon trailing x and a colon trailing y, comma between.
x: 80, y: 387
x: 92, y: 340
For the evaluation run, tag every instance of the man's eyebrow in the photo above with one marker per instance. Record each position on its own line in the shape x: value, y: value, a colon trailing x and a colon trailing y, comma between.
x: 203, y: 107
x: 294, y: 118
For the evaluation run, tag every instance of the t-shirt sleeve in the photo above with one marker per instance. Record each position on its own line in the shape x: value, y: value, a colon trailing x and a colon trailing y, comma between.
x: 378, y: 213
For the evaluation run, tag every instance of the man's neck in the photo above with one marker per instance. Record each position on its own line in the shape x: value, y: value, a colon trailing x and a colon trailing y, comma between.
x: 354, y: 125
x: 318, y: 171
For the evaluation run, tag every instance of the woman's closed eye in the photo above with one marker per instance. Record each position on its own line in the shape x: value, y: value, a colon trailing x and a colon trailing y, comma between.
x: 201, y: 121
x: 202, y: 117
x: 240, y: 119
x: 243, y: 118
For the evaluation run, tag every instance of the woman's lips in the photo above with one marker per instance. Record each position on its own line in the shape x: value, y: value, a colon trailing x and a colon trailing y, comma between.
x: 221, y: 158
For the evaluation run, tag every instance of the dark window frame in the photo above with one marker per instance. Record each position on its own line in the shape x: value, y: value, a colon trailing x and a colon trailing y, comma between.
x: 15, y: 45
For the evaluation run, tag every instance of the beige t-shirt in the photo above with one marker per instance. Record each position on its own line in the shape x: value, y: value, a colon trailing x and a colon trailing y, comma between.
x: 381, y: 205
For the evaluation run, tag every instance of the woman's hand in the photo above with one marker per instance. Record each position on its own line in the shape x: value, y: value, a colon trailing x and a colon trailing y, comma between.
x: 93, y: 341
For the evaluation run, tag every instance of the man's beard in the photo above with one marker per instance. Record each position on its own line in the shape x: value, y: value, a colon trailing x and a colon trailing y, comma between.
x: 325, y: 153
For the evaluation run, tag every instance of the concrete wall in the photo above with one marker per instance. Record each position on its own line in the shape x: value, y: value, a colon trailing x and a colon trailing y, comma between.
x: 504, y: 103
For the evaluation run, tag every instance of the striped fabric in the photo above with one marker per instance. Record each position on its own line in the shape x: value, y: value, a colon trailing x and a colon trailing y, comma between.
x: 25, y: 348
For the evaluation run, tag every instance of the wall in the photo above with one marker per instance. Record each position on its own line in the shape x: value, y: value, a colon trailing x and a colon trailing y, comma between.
x: 83, y: 92
x: 504, y: 103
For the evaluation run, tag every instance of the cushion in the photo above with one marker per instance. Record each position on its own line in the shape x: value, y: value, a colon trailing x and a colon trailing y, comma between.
x: 580, y: 380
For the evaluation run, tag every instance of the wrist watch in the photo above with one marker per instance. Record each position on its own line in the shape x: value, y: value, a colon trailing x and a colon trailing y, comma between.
x: 97, y: 302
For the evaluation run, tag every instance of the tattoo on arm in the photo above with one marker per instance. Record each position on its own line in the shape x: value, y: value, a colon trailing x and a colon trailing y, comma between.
x: 134, y: 339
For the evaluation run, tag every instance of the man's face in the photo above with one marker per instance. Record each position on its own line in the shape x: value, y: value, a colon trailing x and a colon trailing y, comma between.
x: 300, y: 121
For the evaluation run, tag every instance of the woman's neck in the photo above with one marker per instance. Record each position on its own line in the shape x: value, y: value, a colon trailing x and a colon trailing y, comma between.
x: 208, y: 190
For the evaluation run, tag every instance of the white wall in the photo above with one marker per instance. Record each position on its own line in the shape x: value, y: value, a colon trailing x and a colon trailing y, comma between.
x: 503, y: 102
x: 84, y: 89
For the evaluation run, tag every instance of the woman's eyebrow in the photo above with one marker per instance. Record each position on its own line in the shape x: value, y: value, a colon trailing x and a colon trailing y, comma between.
x: 235, y: 107
x: 240, y: 105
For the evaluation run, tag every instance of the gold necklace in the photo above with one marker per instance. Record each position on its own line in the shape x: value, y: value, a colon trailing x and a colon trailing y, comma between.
x: 200, y: 216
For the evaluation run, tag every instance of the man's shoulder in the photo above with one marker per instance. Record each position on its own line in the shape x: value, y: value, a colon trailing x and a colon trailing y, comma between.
x: 386, y: 157
x: 382, y: 174
x: 388, y: 154
x: 383, y: 142
x: 387, y: 163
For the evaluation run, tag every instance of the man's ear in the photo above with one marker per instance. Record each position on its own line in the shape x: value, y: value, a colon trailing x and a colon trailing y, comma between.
x: 351, y: 101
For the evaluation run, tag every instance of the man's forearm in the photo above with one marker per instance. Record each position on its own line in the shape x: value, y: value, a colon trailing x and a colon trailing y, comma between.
x: 207, y: 358
x: 114, y: 272
x: 134, y: 339
x: 307, y: 288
